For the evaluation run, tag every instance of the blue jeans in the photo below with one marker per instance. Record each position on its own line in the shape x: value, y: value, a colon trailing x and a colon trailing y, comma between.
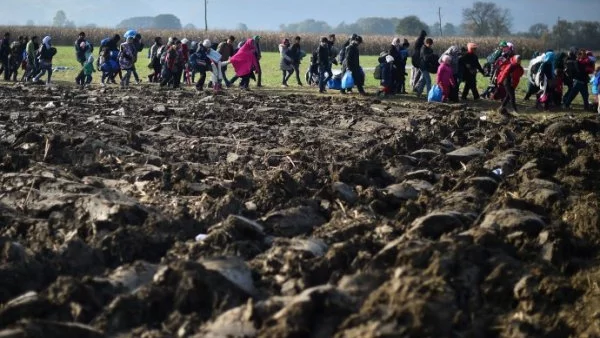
x: 581, y: 88
x: 424, y: 81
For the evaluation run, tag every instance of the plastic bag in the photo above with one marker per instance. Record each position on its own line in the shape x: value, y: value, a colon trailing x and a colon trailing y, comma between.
x: 347, y: 80
x: 334, y: 83
x: 435, y: 94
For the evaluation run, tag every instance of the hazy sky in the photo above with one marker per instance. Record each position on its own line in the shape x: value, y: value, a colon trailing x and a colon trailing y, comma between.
x: 269, y: 14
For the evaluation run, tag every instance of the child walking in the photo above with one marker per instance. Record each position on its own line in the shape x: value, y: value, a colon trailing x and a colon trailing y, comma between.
x: 445, y: 77
x: 88, y: 69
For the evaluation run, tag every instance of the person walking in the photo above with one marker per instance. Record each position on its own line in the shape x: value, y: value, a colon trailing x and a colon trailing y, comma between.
x: 415, y: 76
x: 4, y: 55
x: 285, y: 63
x: 509, y: 77
x: 469, y: 64
x: 126, y: 60
x: 154, y: 64
x: 323, y: 62
x: 296, y: 54
x: 426, y: 55
x: 226, y: 49
x: 353, y: 65
x: 46, y: 53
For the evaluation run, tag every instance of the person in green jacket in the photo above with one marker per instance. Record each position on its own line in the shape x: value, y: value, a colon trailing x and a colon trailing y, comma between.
x: 88, y: 69
x: 32, y: 67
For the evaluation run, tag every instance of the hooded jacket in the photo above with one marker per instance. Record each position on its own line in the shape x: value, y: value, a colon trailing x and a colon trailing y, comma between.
x: 445, y: 76
x: 352, y: 58
x: 511, y: 71
x: 244, y: 61
x: 453, y: 52
x: 286, y: 62
x: 419, y: 43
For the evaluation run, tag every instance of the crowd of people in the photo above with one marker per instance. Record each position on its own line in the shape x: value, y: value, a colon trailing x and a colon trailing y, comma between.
x: 182, y: 61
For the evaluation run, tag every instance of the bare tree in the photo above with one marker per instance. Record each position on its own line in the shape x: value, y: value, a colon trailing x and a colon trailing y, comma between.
x: 485, y: 19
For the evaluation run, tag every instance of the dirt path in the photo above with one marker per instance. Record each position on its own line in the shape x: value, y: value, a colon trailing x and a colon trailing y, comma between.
x: 159, y: 214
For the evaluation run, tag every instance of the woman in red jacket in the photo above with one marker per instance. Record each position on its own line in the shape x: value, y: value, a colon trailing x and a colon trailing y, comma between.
x: 509, y: 77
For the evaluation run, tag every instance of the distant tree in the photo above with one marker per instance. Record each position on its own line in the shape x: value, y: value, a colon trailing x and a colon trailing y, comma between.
x: 374, y: 25
x: 30, y: 23
x: 69, y: 24
x: 486, y: 19
x: 167, y: 21
x: 242, y: 27
x: 306, y: 26
x: 450, y: 30
x: 140, y: 22
x: 190, y: 27
x: 538, y: 30
x: 59, y: 19
x: 411, y: 25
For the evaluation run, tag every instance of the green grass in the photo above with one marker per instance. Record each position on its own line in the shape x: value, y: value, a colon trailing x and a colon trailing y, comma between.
x: 272, y: 76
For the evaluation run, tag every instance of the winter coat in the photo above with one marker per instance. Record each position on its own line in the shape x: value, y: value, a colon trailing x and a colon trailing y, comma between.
x: 285, y: 63
x: 88, y: 66
x: 388, y: 70
x: 469, y: 65
x: 454, y: 53
x: 80, y: 52
x: 595, y: 83
x: 395, y: 53
x: 126, y: 55
x: 244, y: 61
x: 30, y: 51
x: 199, y: 61
x: 511, y: 71
x: 323, y: 56
x: 296, y: 53
x: 445, y: 76
x: 353, y: 58
x: 419, y: 43
x: 426, y: 54
x: 4, y: 48
x: 226, y: 51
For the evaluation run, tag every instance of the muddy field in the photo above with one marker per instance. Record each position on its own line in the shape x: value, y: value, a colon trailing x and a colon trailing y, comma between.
x: 159, y: 214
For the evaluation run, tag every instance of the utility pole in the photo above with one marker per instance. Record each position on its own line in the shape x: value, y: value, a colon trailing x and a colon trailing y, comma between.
x: 440, y: 17
x: 206, y: 15
x: 558, y: 34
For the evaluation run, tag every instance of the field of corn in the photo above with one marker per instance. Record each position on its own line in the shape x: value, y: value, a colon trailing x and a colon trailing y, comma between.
x: 373, y: 44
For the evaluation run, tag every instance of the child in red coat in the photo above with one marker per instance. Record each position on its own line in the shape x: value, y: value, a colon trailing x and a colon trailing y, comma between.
x: 509, y: 77
x: 445, y: 77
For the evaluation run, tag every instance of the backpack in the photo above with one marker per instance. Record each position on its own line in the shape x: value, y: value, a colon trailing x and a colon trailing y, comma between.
x: 571, y: 68
x: 432, y: 63
x: 378, y: 70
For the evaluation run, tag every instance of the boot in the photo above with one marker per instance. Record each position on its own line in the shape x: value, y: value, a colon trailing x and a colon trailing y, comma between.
x: 259, y: 80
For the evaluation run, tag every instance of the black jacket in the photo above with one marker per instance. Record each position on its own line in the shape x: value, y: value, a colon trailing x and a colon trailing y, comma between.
x: 4, y: 48
x: 396, y: 54
x: 294, y: 53
x: 469, y: 65
x: 426, y: 54
x: 352, y: 58
x: 419, y: 43
x: 323, y: 56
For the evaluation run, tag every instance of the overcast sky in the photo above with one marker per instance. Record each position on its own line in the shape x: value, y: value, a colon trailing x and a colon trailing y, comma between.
x: 269, y: 14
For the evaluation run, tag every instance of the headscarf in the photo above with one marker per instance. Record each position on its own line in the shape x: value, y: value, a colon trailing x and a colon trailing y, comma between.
x: 396, y: 42
x: 46, y: 41
x: 515, y: 59
x: 447, y: 59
